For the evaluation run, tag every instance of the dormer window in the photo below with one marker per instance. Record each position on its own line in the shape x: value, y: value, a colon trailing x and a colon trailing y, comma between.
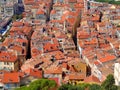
x: 23, y: 51
x: 51, y: 47
x: 24, y: 44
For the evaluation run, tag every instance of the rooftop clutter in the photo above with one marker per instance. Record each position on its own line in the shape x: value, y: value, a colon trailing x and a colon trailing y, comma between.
x: 98, y: 39
x: 46, y: 34
x: 52, y: 47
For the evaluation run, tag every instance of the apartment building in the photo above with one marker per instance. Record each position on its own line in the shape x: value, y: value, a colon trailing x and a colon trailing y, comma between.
x: 8, y: 7
x: 117, y: 73
x: 8, y: 61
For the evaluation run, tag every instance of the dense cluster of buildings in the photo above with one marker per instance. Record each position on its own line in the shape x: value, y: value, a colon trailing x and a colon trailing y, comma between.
x: 98, y: 39
x: 7, y: 9
x: 52, y: 46
x: 69, y: 41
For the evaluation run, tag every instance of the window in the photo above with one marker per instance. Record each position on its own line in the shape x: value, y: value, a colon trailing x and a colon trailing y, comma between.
x: 80, y: 70
x: 5, y: 63
x: 4, y: 68
x: 23, y: 51
x: 24, y: 44
x: 11, y: 68
x: 8, y: 68
x: 51, y: 47
x: 119, y: 82
x: 0, y: 68
x: 10, y: 63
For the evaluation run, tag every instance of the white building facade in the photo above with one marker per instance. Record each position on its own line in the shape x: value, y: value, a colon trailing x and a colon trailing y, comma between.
x: 8, y: 7
x: 117, y: 74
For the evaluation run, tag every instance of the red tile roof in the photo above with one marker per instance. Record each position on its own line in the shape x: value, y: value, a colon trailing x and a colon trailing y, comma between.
x: 17, y: 48
x: 92, y: 79
x: 40, y: 12
x: 35, y: 52
x: 11, y: 77
x: 17, y: 24
x: 20, y: 40
x: 53, y: 71
x: 83, y: 34
x: 76, y: 76
x: 108, y: 58
x: 79, y: 5
x: 27, y: 2
x: 27, y: 30
x: 53, y: 12
x: 72, y: 1
x: 7, y: 56
x: 36, y: 73
x: 48, y: 47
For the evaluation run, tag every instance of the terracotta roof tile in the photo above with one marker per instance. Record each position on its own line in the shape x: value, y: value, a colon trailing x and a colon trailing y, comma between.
x: 76, y: 76
x: 17, y: 24
x: 11, y: 78
x: 92, y: 79
x: 36, y: 73
x: 107, y: 58
x: 8, y: 56
x: 53, y: 71
x: 40, y: 12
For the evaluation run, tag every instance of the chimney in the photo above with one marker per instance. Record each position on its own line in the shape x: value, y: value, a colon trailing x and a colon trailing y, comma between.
x: 95, y: 56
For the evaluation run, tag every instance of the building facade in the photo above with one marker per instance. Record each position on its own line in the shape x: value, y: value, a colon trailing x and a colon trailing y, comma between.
x: 117, y: 74
x: 8, y: 7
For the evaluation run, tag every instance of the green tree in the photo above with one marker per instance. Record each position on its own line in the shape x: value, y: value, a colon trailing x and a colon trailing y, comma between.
x: 109, y: 82
x: 14, y: 18
x: 79, y: 87
x: 114, y: 87
x: 44, y: 83
x: 36, y: 82
x: 95, y: 87
x: 40, y: 84
x: 73, y: 88
x: 22, y: 88
x: 52, y: 83
x: 34, y: 87
x: 45, y: 88
x: 17, y: 16
x: 64, y: 87
x: 82, y: 86
x: 20, y: 16
x: 109, y: 1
